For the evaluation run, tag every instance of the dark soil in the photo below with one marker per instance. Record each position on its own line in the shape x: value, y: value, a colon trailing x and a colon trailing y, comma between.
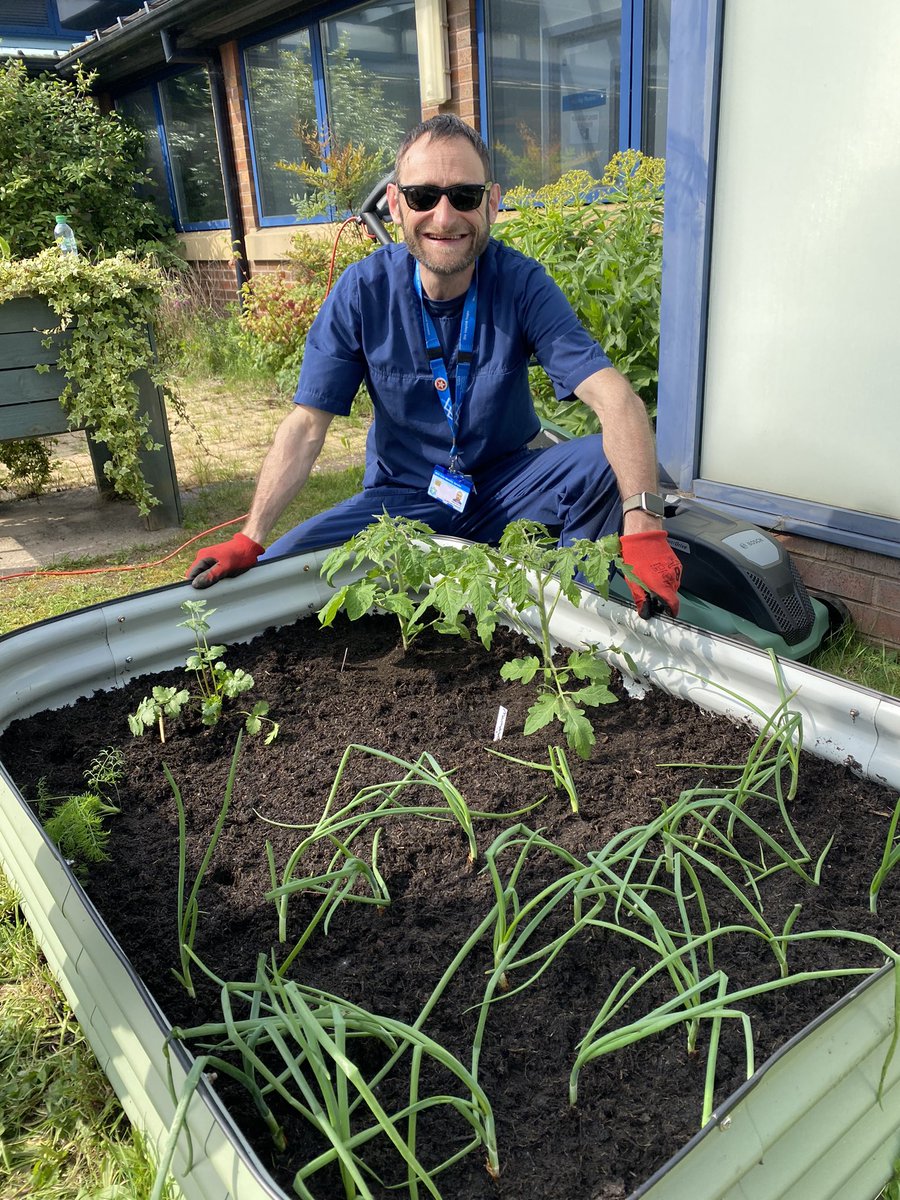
x: 354, y: 683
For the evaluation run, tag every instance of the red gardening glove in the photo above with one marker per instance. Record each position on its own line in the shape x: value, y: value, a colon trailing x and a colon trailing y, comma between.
x: 656, y: 565
x: 224, y: 560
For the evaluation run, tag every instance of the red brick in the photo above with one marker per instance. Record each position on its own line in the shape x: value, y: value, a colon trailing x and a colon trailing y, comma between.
x: 887, y: 594
x: 825, y: 577
x: 877, y: 624
x: 801, y: 545
x: 865, y: 560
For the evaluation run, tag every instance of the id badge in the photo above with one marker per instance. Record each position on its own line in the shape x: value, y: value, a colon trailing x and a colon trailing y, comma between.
x: 450, y: 488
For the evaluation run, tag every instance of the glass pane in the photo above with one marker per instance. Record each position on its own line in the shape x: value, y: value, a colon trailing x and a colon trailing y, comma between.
x: 657, y: 20
x: 282, y: 115
x: 555, y: 69
x: 372, y: 82
x: 139, y: 109
x: 193, y: 150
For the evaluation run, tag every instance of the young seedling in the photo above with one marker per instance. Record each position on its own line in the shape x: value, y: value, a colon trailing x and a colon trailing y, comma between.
x: 427, y: 585
x: 216, y: 683
x: 559, y: 769
x: 889, y: 859
x: 76, y: 824
x: 532, y: 575
x: 187, y: 903
x: 153, y: 709
x: 294, y: 1048
x: 404, y: 557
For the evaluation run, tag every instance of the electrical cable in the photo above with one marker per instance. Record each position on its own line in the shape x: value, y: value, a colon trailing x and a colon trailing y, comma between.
x: 337, y: 238
x: 37, y: 571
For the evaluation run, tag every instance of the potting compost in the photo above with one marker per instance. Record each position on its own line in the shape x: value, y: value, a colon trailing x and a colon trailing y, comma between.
x: 354, y: 683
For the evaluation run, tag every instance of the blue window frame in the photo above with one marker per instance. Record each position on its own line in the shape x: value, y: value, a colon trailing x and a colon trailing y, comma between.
x: 349, y: 77
x: 30, y: 18
x: 565, y: 84
x: 176, y: 117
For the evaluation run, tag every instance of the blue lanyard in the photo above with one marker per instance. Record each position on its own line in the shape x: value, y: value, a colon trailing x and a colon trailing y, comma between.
x: 451, y: 398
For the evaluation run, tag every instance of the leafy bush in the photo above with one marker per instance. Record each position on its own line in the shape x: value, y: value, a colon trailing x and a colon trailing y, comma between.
x: 60, y: 153
x: 279, y: 309
x: 29, y: 465
x: 104, y: 308
x: 601, y: 240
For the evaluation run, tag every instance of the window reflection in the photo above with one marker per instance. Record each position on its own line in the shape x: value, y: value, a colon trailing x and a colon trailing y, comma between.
x: 193, y: 149
x: 555, y: 87
x: 371, y: 93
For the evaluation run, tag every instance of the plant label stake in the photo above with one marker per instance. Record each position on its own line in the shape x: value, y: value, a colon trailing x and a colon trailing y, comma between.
x: 500, y: 725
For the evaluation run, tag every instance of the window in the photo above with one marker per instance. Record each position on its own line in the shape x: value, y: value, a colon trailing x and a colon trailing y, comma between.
x: 140, y: 109
x: 656, y: 77
x: 193, y: 150
x: 181, y: 150
x: 348, y: 82
x: 570, y: 82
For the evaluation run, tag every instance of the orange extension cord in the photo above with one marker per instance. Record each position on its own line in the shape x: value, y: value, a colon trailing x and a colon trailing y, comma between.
x: 126, y: 566
x: 159, y: 562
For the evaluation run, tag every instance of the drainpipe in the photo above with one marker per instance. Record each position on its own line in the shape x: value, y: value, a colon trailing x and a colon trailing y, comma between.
x: 225, y: 145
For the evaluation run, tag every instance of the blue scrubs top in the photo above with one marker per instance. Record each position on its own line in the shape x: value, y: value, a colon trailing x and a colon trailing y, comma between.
x: 369, y: 329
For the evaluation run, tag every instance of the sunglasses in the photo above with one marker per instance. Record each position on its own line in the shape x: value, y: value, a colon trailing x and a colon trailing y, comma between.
x: 423, y: 197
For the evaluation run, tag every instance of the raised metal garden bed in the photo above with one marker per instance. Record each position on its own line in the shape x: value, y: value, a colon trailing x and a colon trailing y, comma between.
x: 808, y: 1123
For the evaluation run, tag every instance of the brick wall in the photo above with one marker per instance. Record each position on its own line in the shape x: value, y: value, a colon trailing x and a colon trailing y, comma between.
x: 216, y: 282
x: 464, y: 59
x: 869, y: 584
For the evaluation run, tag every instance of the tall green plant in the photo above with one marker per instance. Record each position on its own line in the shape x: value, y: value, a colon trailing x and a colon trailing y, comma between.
x: 601, y: 240
x: 60, y: 153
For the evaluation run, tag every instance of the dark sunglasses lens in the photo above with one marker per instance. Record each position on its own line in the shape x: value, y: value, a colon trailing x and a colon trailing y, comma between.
x: 465, y: 197
x: 422, y: 199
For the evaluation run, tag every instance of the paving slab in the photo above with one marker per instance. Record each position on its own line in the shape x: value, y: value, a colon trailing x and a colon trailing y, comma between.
x: 76, y: 523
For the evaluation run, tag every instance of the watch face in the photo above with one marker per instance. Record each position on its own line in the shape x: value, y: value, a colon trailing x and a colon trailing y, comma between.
x: 648, y: 502
x: 654, y: 504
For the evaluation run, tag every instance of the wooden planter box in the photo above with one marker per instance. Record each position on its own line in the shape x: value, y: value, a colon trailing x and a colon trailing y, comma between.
x: 29, y: 404
x: 808, y: 1124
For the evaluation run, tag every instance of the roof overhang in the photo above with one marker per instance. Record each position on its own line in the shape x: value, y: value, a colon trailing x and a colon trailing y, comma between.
x: 133, y: 48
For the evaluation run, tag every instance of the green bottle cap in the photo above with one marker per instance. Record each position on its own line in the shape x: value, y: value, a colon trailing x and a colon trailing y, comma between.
x: 60, y: 218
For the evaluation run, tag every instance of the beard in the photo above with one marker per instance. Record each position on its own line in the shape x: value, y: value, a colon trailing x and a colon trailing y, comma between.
x: 443, y: 261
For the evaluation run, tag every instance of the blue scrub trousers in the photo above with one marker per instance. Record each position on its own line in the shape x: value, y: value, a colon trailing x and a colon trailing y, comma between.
x: 570, y: 488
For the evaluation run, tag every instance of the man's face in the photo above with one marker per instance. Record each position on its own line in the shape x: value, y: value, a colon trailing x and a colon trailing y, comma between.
x: 444, y: 241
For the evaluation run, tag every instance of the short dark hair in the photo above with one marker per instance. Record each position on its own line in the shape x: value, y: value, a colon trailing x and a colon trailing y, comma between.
x: 441, y: 128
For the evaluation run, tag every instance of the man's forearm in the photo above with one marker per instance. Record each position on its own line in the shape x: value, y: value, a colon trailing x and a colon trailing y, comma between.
x: 285, y: 469
x: 627, y: 439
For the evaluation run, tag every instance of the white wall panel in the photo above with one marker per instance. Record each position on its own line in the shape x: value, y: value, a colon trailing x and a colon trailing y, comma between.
x: 804, y: 319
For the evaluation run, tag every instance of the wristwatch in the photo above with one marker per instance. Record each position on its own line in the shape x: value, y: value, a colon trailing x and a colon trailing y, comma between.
x: 648, y: 501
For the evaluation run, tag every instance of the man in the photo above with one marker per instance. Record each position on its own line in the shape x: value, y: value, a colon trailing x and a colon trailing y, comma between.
x: 441, y: 328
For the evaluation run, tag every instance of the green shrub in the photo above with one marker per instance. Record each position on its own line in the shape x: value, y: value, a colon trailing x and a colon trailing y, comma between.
x: 279, y: 309
x: 601, y: 240
x: 60, y: 154
x: 29, y: 466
